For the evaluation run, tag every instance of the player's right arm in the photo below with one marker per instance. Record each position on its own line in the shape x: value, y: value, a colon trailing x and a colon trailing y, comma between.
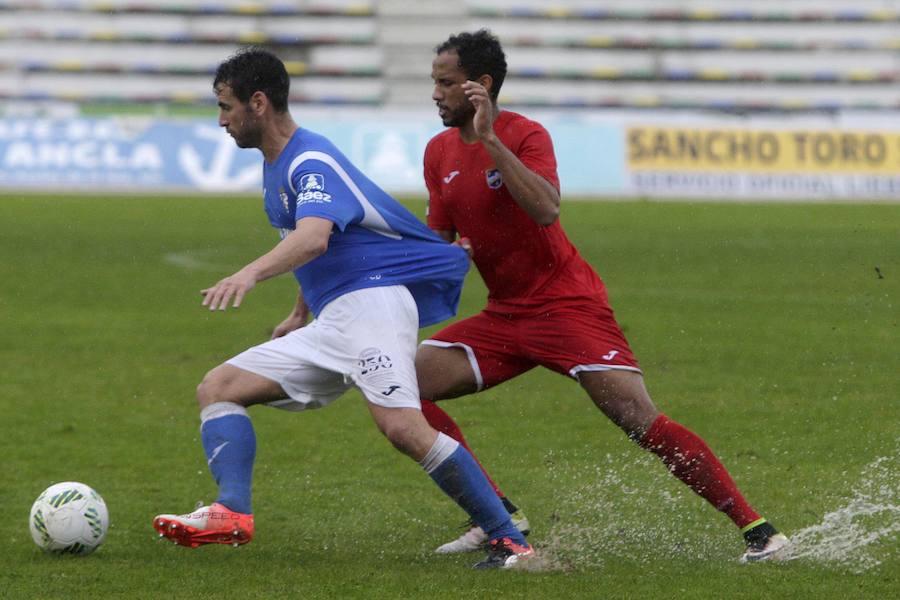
x: 303, y: 244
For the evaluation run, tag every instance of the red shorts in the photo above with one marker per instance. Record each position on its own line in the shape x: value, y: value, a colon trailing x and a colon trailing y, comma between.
x: 567, y: 340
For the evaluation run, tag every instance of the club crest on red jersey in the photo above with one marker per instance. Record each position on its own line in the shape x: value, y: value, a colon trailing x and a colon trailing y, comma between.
x: 494, y: 179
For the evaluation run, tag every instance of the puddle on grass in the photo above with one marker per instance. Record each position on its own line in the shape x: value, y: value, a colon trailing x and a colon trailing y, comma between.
x: 612, y: 519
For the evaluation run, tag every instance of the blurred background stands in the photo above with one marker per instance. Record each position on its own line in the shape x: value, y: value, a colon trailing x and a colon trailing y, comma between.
x: 729, y: 55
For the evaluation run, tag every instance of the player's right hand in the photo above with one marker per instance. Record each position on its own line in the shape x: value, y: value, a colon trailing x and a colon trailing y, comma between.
x: 236, y: 286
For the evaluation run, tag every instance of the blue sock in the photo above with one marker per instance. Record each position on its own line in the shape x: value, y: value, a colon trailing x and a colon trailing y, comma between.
x: 230, y: 445
x: 456, y: 472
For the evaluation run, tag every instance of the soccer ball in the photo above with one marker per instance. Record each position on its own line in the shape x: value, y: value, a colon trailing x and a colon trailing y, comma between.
x: 69, y: 518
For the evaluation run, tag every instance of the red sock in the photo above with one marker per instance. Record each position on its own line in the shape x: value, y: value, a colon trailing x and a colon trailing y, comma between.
x: 441, y: 421
x: 691, y: 460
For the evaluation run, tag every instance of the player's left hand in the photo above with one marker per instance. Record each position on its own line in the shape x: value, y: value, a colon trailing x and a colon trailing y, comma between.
x: 484, y: 109
x: 234, y: 287
x: 466, y: 244
x: 292, y: 323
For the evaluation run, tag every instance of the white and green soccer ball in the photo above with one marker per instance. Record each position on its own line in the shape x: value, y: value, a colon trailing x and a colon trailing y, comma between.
x: 69, y: 518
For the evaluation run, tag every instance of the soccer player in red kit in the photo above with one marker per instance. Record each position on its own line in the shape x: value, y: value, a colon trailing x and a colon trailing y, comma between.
x: 492, y: 181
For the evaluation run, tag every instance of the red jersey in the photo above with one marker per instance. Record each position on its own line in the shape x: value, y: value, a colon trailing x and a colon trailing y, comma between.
x: 524, y: 265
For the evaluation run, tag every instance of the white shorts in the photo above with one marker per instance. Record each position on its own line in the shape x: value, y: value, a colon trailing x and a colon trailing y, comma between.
x: 365, y: 338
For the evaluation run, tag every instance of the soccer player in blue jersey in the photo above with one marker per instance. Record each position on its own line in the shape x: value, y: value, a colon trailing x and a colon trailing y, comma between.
x: 371, y: 274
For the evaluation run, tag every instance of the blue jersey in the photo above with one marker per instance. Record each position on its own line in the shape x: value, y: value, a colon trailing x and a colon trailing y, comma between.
x: 375, y: 240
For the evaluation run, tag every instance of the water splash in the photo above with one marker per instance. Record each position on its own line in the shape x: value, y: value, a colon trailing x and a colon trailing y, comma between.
x: 616, y: 518
x: 848, y: 536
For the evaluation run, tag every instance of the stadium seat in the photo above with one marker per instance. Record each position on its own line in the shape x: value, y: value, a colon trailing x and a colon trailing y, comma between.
x: 719, y: 54
x: 124, y: 51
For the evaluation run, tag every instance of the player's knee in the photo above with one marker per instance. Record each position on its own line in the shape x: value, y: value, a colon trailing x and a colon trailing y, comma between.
x: 211, y: 389
x: 407, y: 432
x: 624, y: 400
x: 633, y: 414
x: 205, y: 394
x: 636, y: 423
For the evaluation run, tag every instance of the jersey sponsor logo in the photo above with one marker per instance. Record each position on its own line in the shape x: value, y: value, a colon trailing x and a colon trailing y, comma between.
x: 372, y: 360
x: 611, y: 355
x: 311, y: 182
x: 494, y: 179
x: 377, y: 370
x: 312, y: 189
x: 450, y: 176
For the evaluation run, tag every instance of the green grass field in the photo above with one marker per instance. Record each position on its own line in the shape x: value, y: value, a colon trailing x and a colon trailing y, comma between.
x: 771, y: 330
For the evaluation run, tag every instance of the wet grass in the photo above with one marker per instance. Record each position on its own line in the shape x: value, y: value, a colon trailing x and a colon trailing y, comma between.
x: 771, y: 330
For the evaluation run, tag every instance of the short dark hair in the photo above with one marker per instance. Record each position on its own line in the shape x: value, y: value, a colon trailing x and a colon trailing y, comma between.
x: 479, y: 54
x: 252, y: 70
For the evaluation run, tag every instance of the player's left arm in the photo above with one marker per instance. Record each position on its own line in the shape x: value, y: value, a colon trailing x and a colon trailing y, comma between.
x: 537, y: 196
x: 306, y: 242
x: 297, y: 319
